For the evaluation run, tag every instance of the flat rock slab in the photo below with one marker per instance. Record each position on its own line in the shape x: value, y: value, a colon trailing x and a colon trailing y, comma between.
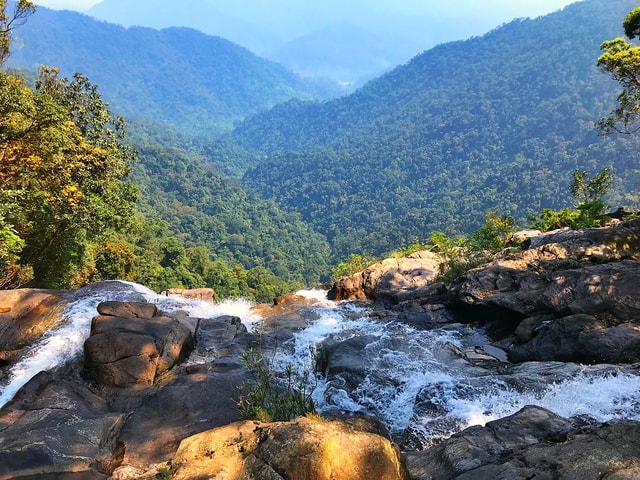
x: 57, y: 429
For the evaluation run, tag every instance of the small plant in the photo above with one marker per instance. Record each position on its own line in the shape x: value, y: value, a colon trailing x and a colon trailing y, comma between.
x: 355, y: 264
x: 463, y: 254
x: 273, y: 396
x: 164, y: 472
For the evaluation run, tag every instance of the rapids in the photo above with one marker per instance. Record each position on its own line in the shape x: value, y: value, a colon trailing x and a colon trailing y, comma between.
x: 420, y: 383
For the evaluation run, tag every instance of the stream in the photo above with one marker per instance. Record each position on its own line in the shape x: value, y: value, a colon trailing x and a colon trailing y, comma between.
x: 424, y: 385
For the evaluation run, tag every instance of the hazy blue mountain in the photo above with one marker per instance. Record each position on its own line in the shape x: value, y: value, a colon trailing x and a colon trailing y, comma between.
x: 498, y: 121
x: 305, y: 35
x: 176, y: 76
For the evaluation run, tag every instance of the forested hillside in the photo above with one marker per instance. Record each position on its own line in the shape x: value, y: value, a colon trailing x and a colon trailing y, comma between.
x: 235, y: 225
x: 498, y: 121
x: 195, y: 83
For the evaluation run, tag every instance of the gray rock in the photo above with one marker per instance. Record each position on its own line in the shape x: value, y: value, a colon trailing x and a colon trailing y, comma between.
x: 532, y: 443
x: 58, y: 428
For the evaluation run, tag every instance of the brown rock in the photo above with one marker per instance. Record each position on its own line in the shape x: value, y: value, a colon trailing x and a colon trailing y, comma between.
x: 25, y: 315
x: 128, y: 309
x: 204, y: 294
x: 132, y: 352
x: 303, y: 449
x: 392, y: 278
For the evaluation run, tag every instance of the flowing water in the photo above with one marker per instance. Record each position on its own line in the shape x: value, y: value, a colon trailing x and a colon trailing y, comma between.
x: 417, y: 382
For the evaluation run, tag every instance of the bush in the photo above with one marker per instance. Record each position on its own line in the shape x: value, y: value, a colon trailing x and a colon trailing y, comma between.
x: 274, y: 396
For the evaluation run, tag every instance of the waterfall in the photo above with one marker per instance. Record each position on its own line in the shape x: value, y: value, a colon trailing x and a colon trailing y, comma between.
x: 64, y: 342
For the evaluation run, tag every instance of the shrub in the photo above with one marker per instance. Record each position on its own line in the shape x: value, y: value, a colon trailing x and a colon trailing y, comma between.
x: 274, y: 396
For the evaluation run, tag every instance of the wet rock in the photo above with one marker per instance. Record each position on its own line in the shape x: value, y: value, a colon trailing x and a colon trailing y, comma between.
x: 303, y: 449
x: 25, y: 315
x: 393, y: 278
x: 127, y: 309
x: 532, y: 443
x: 58, y: 429
x: 130, y: 352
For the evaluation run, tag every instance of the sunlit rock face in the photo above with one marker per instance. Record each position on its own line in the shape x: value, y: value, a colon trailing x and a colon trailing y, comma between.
x: 25, y: 315
x: 303, y: 449
x: 391, y: 278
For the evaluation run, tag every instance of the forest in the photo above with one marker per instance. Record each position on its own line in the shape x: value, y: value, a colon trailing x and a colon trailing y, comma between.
x: 232, y: 173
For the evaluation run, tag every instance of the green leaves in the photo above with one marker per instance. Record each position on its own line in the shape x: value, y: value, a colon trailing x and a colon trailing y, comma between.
x: 621, y: 61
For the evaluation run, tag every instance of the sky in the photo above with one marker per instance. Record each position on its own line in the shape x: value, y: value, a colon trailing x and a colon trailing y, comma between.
x: 504, y: 10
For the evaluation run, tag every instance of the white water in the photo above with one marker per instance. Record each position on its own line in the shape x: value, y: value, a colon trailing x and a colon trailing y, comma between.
x: 65, y: 341
x: 404, y: 364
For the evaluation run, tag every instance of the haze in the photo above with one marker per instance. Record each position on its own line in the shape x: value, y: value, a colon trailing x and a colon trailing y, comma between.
x: 349, y: 41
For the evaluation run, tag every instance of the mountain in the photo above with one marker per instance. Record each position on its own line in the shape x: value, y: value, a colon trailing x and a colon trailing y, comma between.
x: 179, y: 77
x: 308, y: 36
x: 494, y: 122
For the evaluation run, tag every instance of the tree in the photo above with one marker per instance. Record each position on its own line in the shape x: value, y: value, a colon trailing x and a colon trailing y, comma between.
x: 621, y: 60
x: 62, y: 174
x: 21, y: 10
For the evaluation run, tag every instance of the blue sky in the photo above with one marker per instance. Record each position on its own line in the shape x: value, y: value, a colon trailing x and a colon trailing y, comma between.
x: 501, y: 10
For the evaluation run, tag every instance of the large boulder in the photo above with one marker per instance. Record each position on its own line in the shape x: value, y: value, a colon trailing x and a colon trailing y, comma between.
x: 132, y: 351
x: 392, y: 278
x: 54, y: 428
x: 532, y: 443
x: 25, y: 315
x: 303, y: 449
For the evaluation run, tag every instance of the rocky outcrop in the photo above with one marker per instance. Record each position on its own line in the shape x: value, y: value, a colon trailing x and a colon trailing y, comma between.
x: 130, y: 347
x: 533, y: 443
x: 195, y: 398
x: 303, y: 449
x: 572, y: 296
x: 392, y: 278
x: 25, y: 315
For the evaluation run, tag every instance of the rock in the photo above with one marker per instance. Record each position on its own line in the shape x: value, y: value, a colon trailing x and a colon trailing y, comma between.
x: 200, y: 399
x: 286, y: 312
x: 581, y: 338
x: 130, y: 352
x: 25, y: 315
x: 390, y: 279
x: 194, y: 398
x: 127, y: 309
x: 58, y: 428
x: 303, y: 449
x: 203, y: 294
x: 532, y: 443
x: 564, y: 276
